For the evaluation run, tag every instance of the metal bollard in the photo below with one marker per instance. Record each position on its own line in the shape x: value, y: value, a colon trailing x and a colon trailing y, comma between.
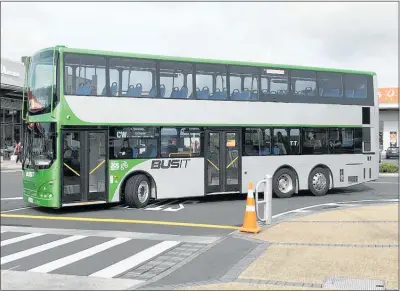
x: 268, y: 199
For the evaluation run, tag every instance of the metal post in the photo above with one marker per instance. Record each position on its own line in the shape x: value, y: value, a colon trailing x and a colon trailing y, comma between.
x: 268, y: 199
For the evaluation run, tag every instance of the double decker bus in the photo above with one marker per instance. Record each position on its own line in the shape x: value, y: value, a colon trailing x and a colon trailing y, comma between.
x: 110, y: 127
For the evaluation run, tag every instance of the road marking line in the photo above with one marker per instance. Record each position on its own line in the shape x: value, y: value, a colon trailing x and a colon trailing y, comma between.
x: 39, y: 249
x: 54, y: 265
x: 394, y: 183
x: 20, y: 238
x: 16, y: 209
x: 12, y: 198
x: 114, y: 234
x: 135, y: 260
x: 115, y: 220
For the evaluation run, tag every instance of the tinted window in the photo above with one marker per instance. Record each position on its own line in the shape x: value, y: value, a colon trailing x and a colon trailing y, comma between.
x: 294, y: 141
x: 85, y: 75
x: 303, y: 83
x: 330, y: 84
x: 267, y: 145
x: 356, y: 86
x: 137, y: 77
x: 206, y: 77
x: 315, y: 141
x: 281, y: 144
x: 341, y: 140
x: 133, y: 142
x: 366, y: 138
x: 177, y: 79
x: 243, y: 83
x: 274, y: 82
x: 180, y: 142
x: 252, y: 141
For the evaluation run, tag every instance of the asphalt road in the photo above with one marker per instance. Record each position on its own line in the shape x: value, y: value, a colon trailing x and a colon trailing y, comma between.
x: 139, y: 245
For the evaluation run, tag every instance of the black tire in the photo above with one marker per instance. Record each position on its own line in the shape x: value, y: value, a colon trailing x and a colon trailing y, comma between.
x: 290, y: 177
x: 313, y: 186
x: 132, y: 191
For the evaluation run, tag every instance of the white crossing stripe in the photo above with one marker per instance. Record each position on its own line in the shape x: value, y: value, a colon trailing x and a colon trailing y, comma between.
x: 51, y: 266
x: 20, y: 238
x: 135, y: 260
x: 38, y: 249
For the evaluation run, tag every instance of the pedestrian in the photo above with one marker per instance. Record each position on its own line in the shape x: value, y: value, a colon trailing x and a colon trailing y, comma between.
x: 17, y: 152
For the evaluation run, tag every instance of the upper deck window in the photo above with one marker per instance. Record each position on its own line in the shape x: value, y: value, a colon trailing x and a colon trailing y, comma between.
x: 356, y: 86
x: 330, y: 84
x: 211, y: 81
x: 274, y: 82
x: 85, y: 75
x: 243, y: 83
x: 304, y: 83
x: 132, y: 77
x: 177, y: 79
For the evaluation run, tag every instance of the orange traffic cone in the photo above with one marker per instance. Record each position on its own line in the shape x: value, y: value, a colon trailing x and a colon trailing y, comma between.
x: 250, y: 218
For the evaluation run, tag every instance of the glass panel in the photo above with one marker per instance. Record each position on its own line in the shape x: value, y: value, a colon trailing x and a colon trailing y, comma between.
x: 315, y: 141
x: 97, y: 161
x: 175, y: 77
x: 274, y: 82
x: 243, y: 83
x: 39, y: 145
x: 330, y: 84
x: 304, y: 83
x: 231, y: 158
x: 356, y: 86
x: 180, y: 142
x: 42, y: 80
x: 138, y: 77
x: 281, y: 144
x: 133, y: 142
x: 72, y: 163
x: 252, y: 141
x: 205, y: 76
x: 88, y: 75
x: 213, y: 159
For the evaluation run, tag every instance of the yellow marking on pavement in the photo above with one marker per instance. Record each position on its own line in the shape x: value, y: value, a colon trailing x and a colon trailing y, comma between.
x: 115, y: 220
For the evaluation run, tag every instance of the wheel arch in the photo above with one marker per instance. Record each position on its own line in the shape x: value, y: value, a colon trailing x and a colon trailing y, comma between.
x: 153, y: 184
x: 325, y: 167
x: 294, y: 171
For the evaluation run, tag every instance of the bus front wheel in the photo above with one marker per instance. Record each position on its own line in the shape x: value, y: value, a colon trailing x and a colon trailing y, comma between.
x: 137, y: 191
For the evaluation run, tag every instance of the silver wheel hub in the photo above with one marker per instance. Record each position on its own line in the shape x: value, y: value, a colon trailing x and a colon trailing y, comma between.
x: 285, y: 183
x: 143, y: 191
x: 319, y: 181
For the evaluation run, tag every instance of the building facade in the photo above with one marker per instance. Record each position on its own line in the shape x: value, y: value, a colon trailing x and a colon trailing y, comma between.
x: 12, y: 82
x: 388, y: 117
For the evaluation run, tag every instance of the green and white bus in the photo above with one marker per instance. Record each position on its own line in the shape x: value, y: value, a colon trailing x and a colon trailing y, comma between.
x: 110, y: 127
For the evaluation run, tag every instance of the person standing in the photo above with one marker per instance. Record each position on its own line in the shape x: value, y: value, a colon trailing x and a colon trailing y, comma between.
x: 17, y: 152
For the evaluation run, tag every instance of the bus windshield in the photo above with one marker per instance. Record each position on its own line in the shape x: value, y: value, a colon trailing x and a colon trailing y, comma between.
x: 39, y: 145
x: 41, y: 81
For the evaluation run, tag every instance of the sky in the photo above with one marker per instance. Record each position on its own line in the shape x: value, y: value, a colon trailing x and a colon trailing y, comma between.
x: 357, y: 35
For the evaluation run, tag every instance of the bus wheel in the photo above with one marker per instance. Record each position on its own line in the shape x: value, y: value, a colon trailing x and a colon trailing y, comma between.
x: 137, y: 191
x: 318, y: 182
x: 284, y: 183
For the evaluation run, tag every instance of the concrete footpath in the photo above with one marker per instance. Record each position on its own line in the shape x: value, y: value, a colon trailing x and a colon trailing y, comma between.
x: 7, y: 166
x: 354, y: 249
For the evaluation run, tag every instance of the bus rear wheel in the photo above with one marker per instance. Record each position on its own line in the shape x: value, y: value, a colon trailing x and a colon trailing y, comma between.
x: 137, y: 191
x: 284, y: 183
x: 319, y: 182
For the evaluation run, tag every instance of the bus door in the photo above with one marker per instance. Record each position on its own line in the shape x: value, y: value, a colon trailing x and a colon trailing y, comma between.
x: 222, y: 154
x: 84, y: 166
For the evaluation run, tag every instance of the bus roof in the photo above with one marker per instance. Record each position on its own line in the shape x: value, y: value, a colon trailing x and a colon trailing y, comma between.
x: 200, y: 60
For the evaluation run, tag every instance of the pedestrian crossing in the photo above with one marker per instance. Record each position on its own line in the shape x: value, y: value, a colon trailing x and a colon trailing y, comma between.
x: 96, y: 254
